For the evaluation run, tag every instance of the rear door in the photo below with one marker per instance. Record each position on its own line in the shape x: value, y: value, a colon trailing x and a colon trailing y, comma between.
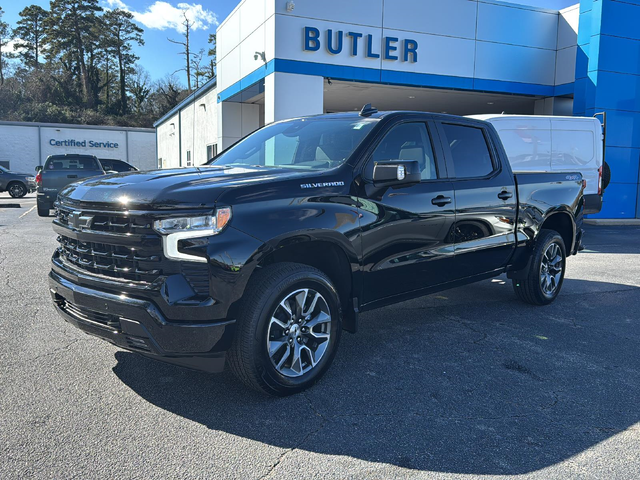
x: 485, y: 196
x: 406, y: 232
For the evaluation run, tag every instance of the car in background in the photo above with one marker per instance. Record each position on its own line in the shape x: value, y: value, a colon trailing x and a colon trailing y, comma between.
x: 110, y: 165
x: 58, y: 172
x: 552, y: 144
x: 17, y: 184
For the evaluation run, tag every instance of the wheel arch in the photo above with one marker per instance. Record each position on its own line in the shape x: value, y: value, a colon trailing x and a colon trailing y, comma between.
x: 562, y: 222
x: 328, y: 254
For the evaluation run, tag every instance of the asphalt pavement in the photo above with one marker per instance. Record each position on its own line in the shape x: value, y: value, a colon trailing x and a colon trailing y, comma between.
x: 467, y: 383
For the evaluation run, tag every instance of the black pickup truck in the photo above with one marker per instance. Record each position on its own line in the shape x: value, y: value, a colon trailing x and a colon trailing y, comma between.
x: 264, y: 255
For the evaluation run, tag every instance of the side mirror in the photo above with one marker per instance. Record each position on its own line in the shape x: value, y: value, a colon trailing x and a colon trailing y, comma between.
x: 396, y: 173
x: 38, y: 168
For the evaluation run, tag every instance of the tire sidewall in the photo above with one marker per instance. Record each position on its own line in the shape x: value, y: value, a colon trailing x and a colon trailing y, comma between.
x: 23, y: 191
x: 264, y: 366
x: 544, y: 245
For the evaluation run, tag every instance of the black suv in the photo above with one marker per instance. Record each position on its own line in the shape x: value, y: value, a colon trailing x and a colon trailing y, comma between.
x: 263, y: 256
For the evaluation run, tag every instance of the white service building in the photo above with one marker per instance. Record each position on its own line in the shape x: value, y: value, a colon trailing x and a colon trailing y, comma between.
x: 279, y: 59
x: 24, y: 145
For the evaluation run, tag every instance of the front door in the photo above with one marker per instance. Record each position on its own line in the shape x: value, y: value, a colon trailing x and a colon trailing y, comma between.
x: 407, y: 240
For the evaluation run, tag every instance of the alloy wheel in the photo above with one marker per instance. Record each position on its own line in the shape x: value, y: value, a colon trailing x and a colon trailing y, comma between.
x: 551, y: 269
x: 16, y: 190
x: 299, y: 332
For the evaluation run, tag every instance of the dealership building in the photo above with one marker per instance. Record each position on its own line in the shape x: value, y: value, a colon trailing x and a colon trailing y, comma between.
x: 279, y: 59
x: 25, y: 145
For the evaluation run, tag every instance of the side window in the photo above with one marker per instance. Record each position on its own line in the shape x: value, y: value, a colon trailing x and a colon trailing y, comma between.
x: 407, y: 141
x: 469, y: 151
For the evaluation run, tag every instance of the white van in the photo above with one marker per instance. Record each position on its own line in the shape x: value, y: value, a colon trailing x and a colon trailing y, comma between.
x: 552, y: 144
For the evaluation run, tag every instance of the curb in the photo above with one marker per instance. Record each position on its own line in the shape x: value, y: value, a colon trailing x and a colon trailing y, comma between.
x: 613, y: 221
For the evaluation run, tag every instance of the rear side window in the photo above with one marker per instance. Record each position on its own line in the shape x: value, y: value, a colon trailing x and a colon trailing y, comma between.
x: 73, y: 163
x: 469, y: 151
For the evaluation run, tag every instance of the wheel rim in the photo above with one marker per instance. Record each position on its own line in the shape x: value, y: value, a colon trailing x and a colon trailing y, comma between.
x: 551, y: 269
x: 16, y: 190
x: 299, y: 332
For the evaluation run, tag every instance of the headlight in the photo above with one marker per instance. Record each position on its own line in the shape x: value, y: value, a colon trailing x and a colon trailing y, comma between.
x: 175, y: 229
x: 31, y: 179
x: 206, y: 224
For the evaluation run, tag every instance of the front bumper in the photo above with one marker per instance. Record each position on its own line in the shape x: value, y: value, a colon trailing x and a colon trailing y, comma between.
x: 138, y: 325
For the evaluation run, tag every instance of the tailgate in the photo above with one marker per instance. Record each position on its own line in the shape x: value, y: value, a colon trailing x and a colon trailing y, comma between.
x: 56, y: 180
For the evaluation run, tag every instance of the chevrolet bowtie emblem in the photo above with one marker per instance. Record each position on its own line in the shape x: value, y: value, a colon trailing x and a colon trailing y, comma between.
x: 77, y: 221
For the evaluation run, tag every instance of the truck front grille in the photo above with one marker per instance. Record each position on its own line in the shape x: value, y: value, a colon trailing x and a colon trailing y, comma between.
x: 106, y: 222
x: 140, y: 261
x: 111, y: 260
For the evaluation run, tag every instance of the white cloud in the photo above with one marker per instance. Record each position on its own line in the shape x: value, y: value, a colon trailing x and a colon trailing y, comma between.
x: 163, y: 15
x: 109, y: 4
x: 10, y: 47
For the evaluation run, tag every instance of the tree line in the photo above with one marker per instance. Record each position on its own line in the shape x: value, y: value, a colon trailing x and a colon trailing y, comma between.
x: 75, y: 63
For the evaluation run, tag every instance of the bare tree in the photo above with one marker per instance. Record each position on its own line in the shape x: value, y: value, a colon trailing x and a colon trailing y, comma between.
x: 170, y: 91
x: 186, y: 48
x: 140, y: 87
x: 198, y: 69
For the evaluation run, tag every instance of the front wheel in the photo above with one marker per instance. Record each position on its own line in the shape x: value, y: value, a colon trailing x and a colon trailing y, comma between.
x: 17, y: 190
x: 288, y: 329
x: 543, y: 278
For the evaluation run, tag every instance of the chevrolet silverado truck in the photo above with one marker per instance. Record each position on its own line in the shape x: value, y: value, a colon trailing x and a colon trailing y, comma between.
x: 262, y: 256
x: 58, y: 172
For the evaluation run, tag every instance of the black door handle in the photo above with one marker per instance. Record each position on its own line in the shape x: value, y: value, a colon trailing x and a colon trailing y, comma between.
x: 441, y: 200
x: 72, y: 176
x: 504, y: 195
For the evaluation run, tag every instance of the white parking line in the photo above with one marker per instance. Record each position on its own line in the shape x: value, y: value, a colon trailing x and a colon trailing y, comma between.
x: 30, y: 210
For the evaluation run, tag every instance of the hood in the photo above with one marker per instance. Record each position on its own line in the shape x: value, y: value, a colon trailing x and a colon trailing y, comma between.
x: 20, y: 174
x: 197, y: 187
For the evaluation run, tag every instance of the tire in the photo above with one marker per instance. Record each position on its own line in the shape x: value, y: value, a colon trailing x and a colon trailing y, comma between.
x: 255, y: 356
x: 43, y: 209
x: 606, y: 176
x: 544, y: 275
x: 17, y: 189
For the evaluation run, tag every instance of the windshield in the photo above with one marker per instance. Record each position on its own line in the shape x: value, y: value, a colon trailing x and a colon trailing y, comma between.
x: 6, y: 170
x: 308, y: 143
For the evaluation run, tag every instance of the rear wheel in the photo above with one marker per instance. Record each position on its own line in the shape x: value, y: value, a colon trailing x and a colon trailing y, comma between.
x: 545, y: 273
x: 43, y: 209
x: 17, y: 189
x: 288, y: 329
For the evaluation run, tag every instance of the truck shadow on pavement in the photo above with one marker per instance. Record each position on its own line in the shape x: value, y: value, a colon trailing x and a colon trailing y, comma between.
x: 468, y: 381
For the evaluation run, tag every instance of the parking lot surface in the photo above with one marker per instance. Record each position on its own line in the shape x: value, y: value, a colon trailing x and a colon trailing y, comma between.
x: 467, y: 383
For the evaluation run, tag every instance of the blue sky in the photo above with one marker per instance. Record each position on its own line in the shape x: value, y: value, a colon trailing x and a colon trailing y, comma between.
x: 160, y: 19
